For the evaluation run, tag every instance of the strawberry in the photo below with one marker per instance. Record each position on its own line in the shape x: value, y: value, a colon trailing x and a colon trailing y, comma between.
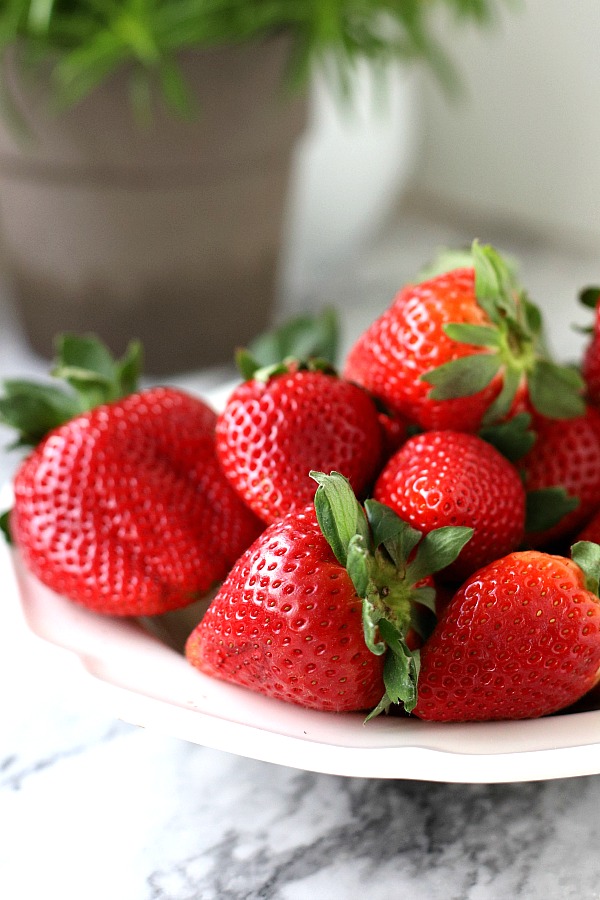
x: 520, y: 639
x: 566, y: 458
x: 591, y: 360
x: 307, y: 613
x: 122, y: 508
x: 284, y: 421
x: 462, y: 349
x: 454, y: 478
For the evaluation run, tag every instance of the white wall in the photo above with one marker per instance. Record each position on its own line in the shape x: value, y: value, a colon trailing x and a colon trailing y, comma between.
x: 524, y: 144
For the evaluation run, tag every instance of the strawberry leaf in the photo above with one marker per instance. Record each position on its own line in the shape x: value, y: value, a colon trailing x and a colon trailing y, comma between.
x: 371, y: 617
x: 447, y: 260
x: 462, y: 377
x: 590, y: 296
x: 129, y: 369
x: 422, y: 618
x: 246, y: 364
x: 358, y: 564
x: 425, y: 596
x: 513, y: 439
x: 437, y: 550
x: 495, y: 284
x: 303, y: 337
x: 587, y: 556
x: 556, y: 391
x: 339, y: 514
x: 5, y: 526
x: 477, y: 335
x: 34, y: 409
x: 502, y: 405
x: 92, y: 376
x: 534, y: 322
x: 546, y: 507
x: 87, y: 364
x: 390, y: 531
x: 401, y: 668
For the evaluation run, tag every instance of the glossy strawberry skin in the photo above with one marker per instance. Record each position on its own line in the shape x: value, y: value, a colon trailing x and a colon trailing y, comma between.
x: 287, y: 623
x: 566, y: 454
x: 124, y: 509
x: 452, y: 478
x: 408, y: 341
x: 520, y: 639
x: 272, y: 434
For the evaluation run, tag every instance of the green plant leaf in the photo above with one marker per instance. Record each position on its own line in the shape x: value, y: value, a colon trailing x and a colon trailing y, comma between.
x: 370, y: 619
x: 358, y: 564
x: 339, y: 514
x: 534, y: 321
x: 5, y: 526
x: 86, y: 363
x: 246, y: 364
x: 33, y: 409
x: 546, y: 507
x: 590, y: 296
x: 84, y: 354
x: 401, y: 668
x: 390, y: 531
x: 422, y: 619
x: 129, y: 369
x: 587, y: 556
x: 447, y: 260
x: 425, y: 596
x: 513, y: 439
x: 463, y: 377
x: 88, y: 41
x: 437, y: 550
x: 495, y: 284
x: 556, y: 391
x: 303, y: 337
x: 502, y: 405
x: 477, y: 335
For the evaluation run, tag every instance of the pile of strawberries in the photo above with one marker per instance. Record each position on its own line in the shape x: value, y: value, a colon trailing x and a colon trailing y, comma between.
x: 419, y: 534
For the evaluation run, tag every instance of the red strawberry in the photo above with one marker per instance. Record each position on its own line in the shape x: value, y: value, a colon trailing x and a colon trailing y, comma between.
x: 565, y: 457
x: 453, y: 478
x: 591, y: 359
x: 124, y: 509
x: 394, y: 432
x: 591, y: 531
x: 276, y: 428
x: 520, y: 639
x: 473, y: 336
x: 289, y: 621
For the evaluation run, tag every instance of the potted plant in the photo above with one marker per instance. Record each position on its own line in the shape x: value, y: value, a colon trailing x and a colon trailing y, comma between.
x: 145, y: 153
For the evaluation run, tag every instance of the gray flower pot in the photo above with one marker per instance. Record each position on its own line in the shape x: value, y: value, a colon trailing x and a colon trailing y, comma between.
x: 170, y: 233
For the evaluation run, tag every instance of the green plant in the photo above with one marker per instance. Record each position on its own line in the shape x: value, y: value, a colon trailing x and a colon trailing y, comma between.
x: 86, y: 40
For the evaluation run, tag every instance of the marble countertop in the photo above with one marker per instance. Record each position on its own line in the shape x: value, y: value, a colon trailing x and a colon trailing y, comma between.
x: 92, y: 808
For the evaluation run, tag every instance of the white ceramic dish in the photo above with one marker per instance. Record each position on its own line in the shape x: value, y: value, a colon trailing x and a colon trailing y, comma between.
x: 152, y: 685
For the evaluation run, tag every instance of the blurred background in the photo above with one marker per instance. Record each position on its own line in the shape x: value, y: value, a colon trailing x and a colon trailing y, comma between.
x: 368, y: 192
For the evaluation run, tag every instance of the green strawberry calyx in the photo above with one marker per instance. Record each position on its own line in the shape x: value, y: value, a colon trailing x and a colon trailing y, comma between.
x: 86, y: 375
x: 308, y: 341
x: 251, y: 370
x: 590, y: 296
x: 545, y: 507
x: 387, y: 561
x: 514, y: 349
x: 586, y: 554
